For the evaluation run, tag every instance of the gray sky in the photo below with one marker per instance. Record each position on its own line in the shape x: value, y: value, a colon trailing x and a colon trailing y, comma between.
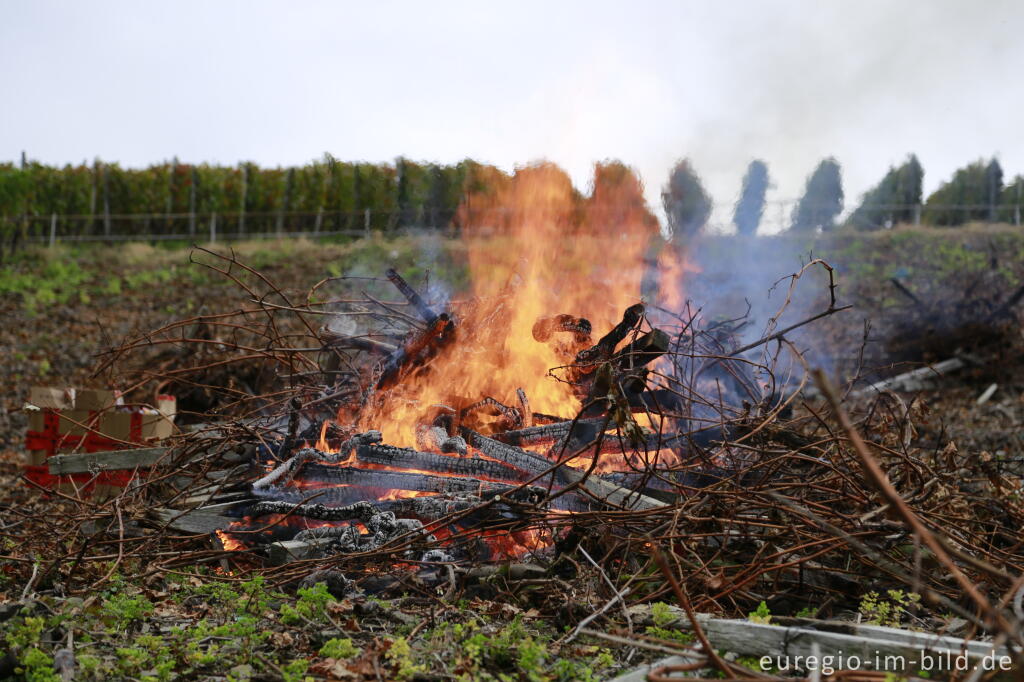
x: 574, y: 82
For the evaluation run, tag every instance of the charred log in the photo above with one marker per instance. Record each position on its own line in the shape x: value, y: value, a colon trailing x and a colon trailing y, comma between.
x: 604, y: 348
x: 511, y: 415
x: 424, y: 311
x: 339, y: 496
x: 544, y: 434
x: 436, y: 439
x: 397, y: 480
x: 286, y: 471
x: 545, y: 327
x: 643, y: 350
x: 404, y: 458
x: 420, y: 347
x: 524, y: 408
x: 516, y: 457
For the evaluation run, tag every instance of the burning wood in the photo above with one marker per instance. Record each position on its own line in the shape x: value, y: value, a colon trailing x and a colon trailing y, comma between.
x: 603, y: 349
x: 417, y: 350
x: 436, y: 439
x: 425, y: 312
x: 512, y: 417
x: 403, y: 458
x: 517, y: 419
x: 316, y: 473
x: 456, y: 467
x: 545, y: 328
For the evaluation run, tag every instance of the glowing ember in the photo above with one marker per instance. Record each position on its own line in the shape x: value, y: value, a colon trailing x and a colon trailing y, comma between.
x: 229, y: 543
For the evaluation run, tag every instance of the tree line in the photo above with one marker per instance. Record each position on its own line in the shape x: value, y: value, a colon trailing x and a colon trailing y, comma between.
x: 248, y: 196
x: 976, y: 192
x: 382, y: 196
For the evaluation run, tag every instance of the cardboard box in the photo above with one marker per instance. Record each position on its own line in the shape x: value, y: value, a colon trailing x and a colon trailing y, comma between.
x: 96, y: 400
x: 167, y: 405
x: 74, y: 423
x: 136, y: 426
x: 156, y: 426
x: 36, y: 457
x: 118, y: 425
x: 36, y: 420
x: 54, y: 398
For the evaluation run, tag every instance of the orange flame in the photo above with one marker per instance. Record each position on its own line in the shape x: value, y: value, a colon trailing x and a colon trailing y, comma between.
x: 229, y: 543
x: 673, y: 269
x: 322, y: 444
x: 536, y: 248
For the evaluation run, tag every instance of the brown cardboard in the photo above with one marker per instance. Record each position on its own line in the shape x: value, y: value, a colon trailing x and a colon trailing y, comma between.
x: 35, y: 457
x: 117, y: 425
x: 153, y: 424
x: 66, y: 424
x: 157, y: 426
x: 95, y: 400
x: 55, y: 398
x: 36, y: 421
x: 168, y: 405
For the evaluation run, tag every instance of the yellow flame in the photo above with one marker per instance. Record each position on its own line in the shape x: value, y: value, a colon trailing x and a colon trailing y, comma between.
x: 536, y: 248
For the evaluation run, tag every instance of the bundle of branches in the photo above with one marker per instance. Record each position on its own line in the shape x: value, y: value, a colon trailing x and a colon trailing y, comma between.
x: 938, y: 316
x: 728, y: 490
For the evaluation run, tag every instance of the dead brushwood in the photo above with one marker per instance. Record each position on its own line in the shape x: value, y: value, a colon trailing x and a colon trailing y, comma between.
x: 726, y: 491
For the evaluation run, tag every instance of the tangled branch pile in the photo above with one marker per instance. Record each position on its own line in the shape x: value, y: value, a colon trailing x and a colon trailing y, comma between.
x: 704, y: 476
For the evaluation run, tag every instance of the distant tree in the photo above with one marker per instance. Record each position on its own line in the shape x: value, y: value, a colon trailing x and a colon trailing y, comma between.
x: 893, y: 200
x: 750, y: 206
x: 687, y: 205
x: 616, y: 203
x: 972, y: 193
x: 1011, y: 199
x: 404, y: 198
x: 438, y: 200
x: 993, y: 186
x: 822, y: 200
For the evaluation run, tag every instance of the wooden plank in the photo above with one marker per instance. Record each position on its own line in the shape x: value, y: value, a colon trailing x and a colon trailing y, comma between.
x: 286, y: 551
x: 611, y: 493
x: 891, y: 649
x: 915, y: 380
x: 110, y: 460
x: 640, y: 674
x: 196, y: 521
x: 530, y: 461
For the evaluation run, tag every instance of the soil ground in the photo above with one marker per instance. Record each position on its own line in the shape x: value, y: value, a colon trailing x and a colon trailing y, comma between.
x: 63, y: 306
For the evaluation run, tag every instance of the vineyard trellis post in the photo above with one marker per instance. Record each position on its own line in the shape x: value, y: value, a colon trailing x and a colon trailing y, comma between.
x: 1016, y: 207
x: 106, y: 201
x: 192, y: 204
x: 169, y: 199
x: 92, y: 196
x: 245, y: 193
x: 53, y: 230
x: 286, y: 202
x: 213, y: 227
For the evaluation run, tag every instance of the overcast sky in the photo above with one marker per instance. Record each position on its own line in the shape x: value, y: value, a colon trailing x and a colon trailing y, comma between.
x: 573, y: 82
